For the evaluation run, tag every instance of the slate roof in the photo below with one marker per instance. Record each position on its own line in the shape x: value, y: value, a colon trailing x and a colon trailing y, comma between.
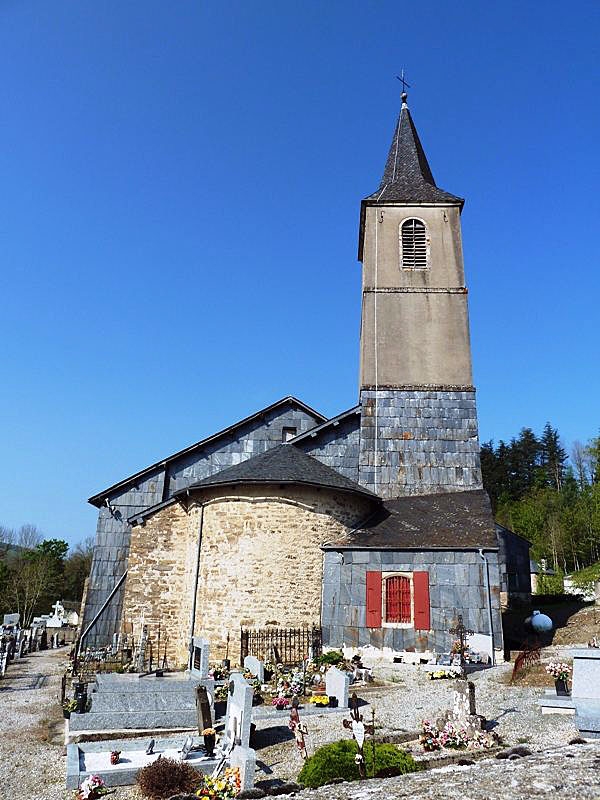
x: 98, y: 499
x: 456, y: 520
x: 407, y: 177
x: 284, y: 464
x: 315, y: 432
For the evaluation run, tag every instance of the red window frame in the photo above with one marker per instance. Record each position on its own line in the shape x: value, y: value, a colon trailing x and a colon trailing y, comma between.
x: 398, y: 599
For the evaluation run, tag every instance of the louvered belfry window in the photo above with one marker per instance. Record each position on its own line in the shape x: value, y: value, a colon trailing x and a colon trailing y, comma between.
x: 397, y: 599
x: 413, y: 243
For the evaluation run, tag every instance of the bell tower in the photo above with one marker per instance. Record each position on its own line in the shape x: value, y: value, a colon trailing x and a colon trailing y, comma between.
x: 418, y: 415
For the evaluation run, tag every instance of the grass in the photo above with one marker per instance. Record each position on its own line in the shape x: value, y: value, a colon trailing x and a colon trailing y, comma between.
x: 587, y: 575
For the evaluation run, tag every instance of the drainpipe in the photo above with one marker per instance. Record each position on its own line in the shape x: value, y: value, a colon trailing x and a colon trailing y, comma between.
x: 486, y: 575
x: 196, y: 576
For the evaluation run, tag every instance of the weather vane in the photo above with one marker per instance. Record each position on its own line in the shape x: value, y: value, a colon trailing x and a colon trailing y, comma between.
x: 402, y: 81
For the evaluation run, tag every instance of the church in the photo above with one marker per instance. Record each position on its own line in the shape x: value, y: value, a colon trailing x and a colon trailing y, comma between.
x: 372, y: 525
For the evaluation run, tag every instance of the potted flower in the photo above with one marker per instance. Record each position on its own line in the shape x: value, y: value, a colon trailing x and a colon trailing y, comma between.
x: 68, y: 707
x: 92, y: 788
x: 210, y: 738
x: 560, y: 672
x: 115, y: 757
x: 280, y: 703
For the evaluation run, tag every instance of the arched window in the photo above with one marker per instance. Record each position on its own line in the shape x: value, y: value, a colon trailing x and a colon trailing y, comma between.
x: 397, y: 599
x: 414, y: 244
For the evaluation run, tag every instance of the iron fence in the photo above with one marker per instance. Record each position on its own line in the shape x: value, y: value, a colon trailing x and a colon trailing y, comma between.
x: 281, y: 645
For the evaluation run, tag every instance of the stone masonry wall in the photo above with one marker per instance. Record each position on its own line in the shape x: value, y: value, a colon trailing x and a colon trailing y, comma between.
x: 111, y: 546
x: 260, y: 563
x: 456, y: 586
x: 427, y: 442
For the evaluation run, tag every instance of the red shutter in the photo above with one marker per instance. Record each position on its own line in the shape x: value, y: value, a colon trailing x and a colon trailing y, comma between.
x: 421, y: 587
x: 397, y: 599
x: 373, y: 599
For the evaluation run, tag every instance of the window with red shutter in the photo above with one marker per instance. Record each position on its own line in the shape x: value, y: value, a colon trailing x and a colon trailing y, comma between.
x: 397, y: 599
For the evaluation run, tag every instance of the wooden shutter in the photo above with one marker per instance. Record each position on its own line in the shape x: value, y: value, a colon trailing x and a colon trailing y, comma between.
x: 421, y: 599
x: 413, y: 238
x: 373, y: 599
x: 397, y: 599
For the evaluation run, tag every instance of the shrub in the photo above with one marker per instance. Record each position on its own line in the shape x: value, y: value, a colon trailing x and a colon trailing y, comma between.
x: 332, y: 657
x: 550, y: 584
x: 335, y: 761
x: 166, y: 777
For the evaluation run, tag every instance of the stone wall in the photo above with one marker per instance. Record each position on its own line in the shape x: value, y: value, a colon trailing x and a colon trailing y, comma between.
x: 456, y: 586
x: 427, y: 442
x: 111, y: 546
x: 260, y: 563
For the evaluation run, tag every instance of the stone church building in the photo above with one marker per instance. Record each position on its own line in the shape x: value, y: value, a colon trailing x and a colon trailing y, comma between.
x: 374, y: 524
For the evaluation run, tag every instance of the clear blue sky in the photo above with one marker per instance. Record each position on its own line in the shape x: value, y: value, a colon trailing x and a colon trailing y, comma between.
x: 179, y: 199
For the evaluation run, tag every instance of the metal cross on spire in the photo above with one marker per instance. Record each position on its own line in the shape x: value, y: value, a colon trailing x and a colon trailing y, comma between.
x: 404, y: 83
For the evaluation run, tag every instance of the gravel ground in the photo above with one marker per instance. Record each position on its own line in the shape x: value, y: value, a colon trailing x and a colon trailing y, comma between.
x: 31, y: 766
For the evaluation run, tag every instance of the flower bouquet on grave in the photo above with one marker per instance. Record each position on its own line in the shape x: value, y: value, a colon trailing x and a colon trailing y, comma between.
x: 92, y: 788
x: 561, y: 673
x: 221, y: 788
x: 269, y: 670
x: 68, y: 707
x: 280, y: 703
x: 319, y: 700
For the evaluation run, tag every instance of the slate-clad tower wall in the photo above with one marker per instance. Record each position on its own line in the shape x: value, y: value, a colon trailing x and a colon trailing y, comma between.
x: 419, y: 421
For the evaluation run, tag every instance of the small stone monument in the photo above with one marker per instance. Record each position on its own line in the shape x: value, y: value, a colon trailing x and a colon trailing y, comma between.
x: 255, y: 666
x: 464, y: 713
x: 337, y: 684
x: 199, y: 648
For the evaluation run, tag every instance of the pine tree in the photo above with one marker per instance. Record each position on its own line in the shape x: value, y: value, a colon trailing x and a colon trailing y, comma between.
x: 552, y: 457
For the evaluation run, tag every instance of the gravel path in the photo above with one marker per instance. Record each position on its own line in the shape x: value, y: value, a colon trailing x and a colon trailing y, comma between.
x: 31, y: 766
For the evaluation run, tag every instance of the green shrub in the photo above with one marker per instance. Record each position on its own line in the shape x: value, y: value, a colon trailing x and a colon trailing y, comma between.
x: 332, y: 657
x: 550, y: 584
x: 336, y: 760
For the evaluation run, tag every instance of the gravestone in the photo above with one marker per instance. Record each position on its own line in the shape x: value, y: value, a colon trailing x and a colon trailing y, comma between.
x: 255, y: 666
x: 239, y: 712
x: 199, y: 661
x: 464, y: 712
x: 11, y: 619
x: 337, y: 684
x: 586, y: 673
x: 203, y: 709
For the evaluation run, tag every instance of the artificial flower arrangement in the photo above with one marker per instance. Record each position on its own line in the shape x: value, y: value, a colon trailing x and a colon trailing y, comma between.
x: 226, y: 786
x: 454, y: 737
x: 559, y: 670
x: 218, y: 672
x: 319, y: 699
x: 221, y: 692
x: 92, y: 788
x: 451, y: 672
x: 279, y: 702
x: 69, y: 706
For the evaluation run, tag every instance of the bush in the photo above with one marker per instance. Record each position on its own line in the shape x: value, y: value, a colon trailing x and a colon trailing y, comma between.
x: 332, y: 657
x: 550, y: 584
x: 335, y: 761
x: 166, y: 777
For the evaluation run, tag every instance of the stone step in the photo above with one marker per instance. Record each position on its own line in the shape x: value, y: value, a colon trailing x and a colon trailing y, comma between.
x: 136, y: 720
x: 143, y: 701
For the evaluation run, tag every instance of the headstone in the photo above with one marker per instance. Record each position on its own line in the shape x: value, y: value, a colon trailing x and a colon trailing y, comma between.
x: 239, y: 711
x: 11, y: 619
x: 586, y: 673
x: 255, y: 666
x: 203, y: 709
x: 337, y: 684
x: 199, y: 660
x: 464, y: 712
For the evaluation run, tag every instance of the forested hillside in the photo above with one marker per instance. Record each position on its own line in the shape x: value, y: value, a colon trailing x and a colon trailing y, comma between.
x: 552, y: 499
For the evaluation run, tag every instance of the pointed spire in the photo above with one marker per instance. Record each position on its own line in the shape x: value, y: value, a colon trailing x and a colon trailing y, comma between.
x: 407, y: 177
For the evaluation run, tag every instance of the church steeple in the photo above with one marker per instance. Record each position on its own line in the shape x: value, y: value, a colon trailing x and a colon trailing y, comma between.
x: 418, y: 417
x: 407, y: 178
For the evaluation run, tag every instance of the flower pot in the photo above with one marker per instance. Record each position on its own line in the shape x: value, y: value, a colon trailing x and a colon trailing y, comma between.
x: 562, y: 688
x: 66, y: 714
x: 333, y: 702
x: 220, y: 708
x: 267, y: 675
x: 209, y: 744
